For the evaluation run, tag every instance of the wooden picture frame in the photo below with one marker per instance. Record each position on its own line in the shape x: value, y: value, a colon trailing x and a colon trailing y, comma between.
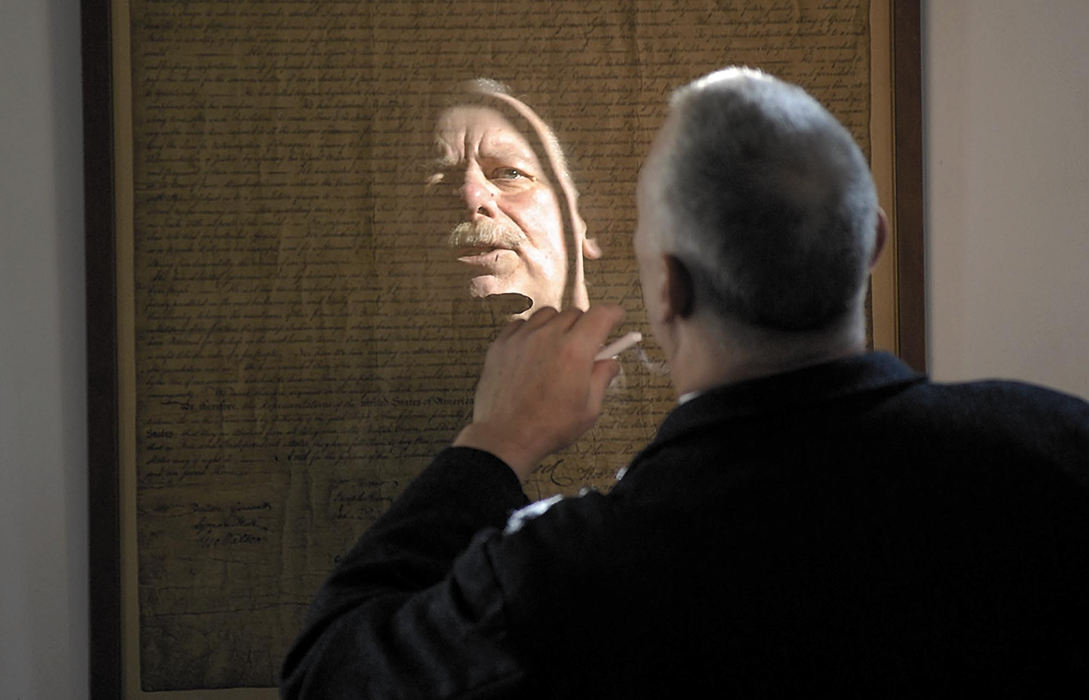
x: 898, y: 298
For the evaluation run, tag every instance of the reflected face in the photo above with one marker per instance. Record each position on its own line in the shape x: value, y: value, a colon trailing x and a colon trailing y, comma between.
x: 511, y: 234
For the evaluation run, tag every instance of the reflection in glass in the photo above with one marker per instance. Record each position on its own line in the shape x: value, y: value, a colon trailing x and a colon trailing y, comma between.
x: 501, y: 177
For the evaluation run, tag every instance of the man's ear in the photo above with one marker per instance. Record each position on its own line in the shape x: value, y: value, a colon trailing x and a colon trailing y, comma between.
x: 679, y: 287
x: 881, y: 236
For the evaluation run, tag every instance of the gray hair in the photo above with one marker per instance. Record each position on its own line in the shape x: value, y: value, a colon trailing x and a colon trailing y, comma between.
x: 769, y: 202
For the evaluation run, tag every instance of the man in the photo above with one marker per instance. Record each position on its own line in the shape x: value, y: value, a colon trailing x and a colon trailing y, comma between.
x: 810, y: 519
x: 514, y: 200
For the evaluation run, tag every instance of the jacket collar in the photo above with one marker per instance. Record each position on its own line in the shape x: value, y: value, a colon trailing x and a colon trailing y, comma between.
x: 797, y: 389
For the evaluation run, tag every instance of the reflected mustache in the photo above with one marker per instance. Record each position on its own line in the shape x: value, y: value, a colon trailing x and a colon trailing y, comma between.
x: 485, y: 234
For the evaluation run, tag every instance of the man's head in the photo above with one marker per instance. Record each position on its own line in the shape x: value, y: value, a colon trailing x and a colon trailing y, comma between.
x: 518, y: 227
x: 762, y: 203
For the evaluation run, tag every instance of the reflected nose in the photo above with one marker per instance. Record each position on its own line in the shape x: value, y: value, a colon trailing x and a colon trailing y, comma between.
x: 478, y: 195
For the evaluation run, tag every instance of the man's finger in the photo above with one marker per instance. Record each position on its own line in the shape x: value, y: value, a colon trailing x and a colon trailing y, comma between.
x: 541, y: 317
x: 595, y: 324
x: 510, y: 329
x: 568, y: 318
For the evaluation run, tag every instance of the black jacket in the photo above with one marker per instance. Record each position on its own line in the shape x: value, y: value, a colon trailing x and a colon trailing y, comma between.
x: 848, y: 528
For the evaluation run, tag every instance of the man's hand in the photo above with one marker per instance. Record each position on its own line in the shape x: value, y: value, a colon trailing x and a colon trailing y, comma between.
x: 541, y: 389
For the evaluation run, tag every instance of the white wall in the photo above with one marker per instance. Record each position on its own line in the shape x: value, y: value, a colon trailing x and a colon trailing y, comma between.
x: 1007, y: 113
x: 43, y: 497
x: 1006, y: 101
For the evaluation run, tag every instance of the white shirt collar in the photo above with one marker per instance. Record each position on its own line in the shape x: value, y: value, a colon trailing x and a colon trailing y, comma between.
x: 685, y: 398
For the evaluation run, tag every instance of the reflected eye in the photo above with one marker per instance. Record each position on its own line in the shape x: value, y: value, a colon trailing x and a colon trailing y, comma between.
x: 510, y: 174
x: 440, y: 179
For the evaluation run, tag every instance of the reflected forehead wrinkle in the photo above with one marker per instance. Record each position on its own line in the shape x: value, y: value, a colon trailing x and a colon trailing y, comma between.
x: 468, y: 131
x: 509, y: 147
x: 499, y: 139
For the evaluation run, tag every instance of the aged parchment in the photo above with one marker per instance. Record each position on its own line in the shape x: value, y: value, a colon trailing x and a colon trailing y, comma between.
x: 298, y: 356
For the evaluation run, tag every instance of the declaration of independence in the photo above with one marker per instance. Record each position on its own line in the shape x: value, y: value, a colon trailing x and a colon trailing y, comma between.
x: 292, y: 331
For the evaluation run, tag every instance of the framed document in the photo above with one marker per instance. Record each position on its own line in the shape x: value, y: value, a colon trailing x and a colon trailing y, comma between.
x: 275, y: 344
